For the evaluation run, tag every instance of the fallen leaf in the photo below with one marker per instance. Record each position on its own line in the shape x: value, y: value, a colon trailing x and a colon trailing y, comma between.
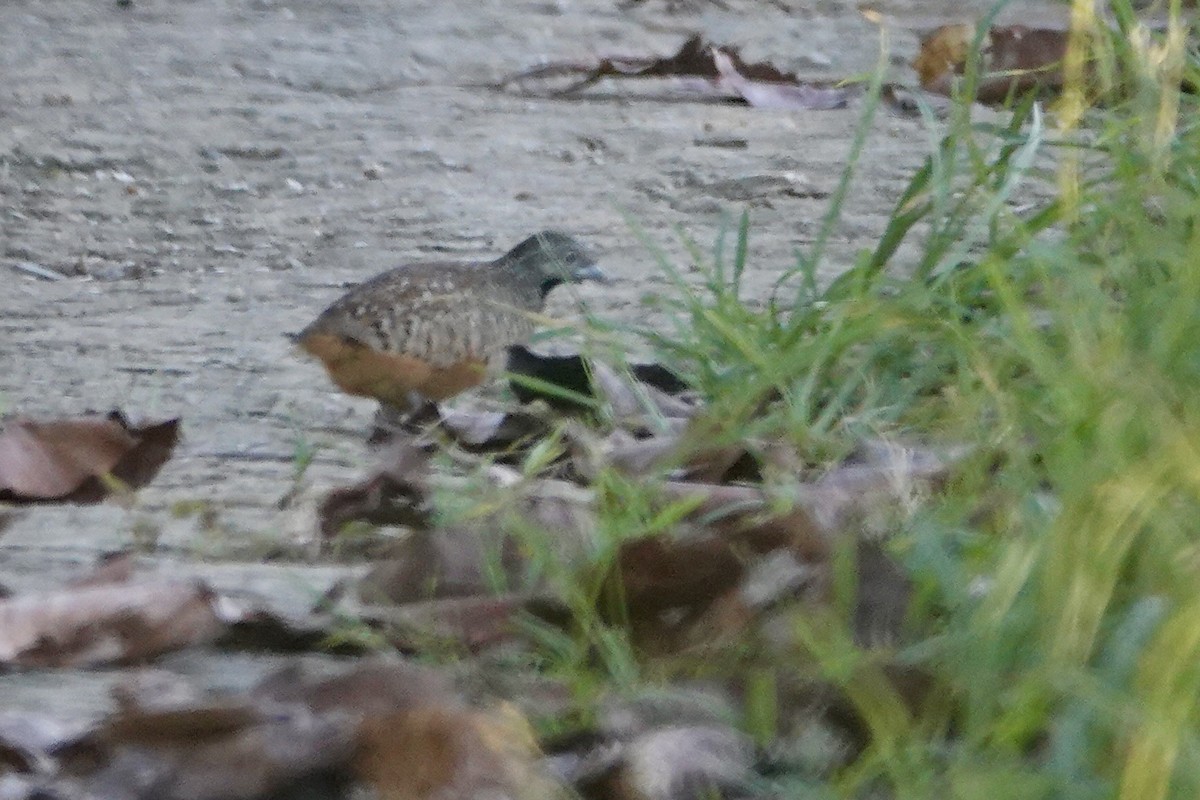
x: 468, y: 624
x: 8, y: 516
x: 908, y: 101
x: 151, y: 689
x: 416, y: 739
x: 120, y: 623
x: 395, y: 494
x: 80, y: 460
x: 451, y: 754
x: 1013, y: 60
x: 491, y: 431
x: 455, y: 562
x: 750, y: 518
x: 247, y: 755
x: 684, y: 762
x: 654, y: 575
x: 371, y: 687
x: 620, y: 450
x: 632, y: 728
x: 785, y: 95
x: 561, y: 381
x: 686, y: 453
x: 635, y: 405
x: 710, y: 72
x: 691, y: 59
x: 28, y: 741
x: 867, y: 497
x: 572, y: 383
x: 660, y: 377
x: 669, y: 761
x: 882, y: 596
x: 293, y: 732
x: 398, y: 494
x: 943, y: 52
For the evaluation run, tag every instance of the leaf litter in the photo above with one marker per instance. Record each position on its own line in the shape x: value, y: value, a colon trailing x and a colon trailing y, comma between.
x: 753, y: 537
x: 389, y: 724
x: 748, y: 539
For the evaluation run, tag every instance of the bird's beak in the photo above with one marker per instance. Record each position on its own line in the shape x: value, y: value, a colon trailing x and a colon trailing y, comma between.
x: 591, y: 273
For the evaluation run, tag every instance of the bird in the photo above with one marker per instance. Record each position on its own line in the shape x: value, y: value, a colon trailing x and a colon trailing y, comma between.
x: 422, y: 333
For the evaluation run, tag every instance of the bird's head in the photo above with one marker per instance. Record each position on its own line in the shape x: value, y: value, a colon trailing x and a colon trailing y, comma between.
x: 552, y: 258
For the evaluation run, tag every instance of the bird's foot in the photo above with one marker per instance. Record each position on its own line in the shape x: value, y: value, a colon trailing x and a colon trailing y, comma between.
x: 414, y: 419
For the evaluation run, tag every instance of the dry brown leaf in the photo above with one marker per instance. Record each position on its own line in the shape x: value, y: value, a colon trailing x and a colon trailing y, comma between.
x: 172, y: 724
x: 467, y: 623
x: 636, y: 405
x: 783, y: 95
x: 712, y: 72
x: 395, y: 494
x: 417, y: 740
x: 451, y: 754
x: 1014, y: 60
x: 671, y: 741
x: 619, y: 450
x: 689, y: 450
x: 882, y: 596
x: 295, y: 734
x: 429, y: 565
x: 943, y: 52
x: 120, y: 623
x: 656, y: 575
x: 28, y: 741
x: 855, y: 499
x: 490, y: 431
x: 293, y: 731
x: 207, y: 754
x: 749, y: 517
x: 371, y: 688
x: 77, y: 460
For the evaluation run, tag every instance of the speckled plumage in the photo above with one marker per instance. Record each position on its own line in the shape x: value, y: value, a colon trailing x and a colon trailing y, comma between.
x: 433, y: 330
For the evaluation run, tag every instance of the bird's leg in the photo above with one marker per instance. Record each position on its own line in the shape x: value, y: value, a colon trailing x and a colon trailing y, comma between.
x: 413, y: 417
x: 421, y: 412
